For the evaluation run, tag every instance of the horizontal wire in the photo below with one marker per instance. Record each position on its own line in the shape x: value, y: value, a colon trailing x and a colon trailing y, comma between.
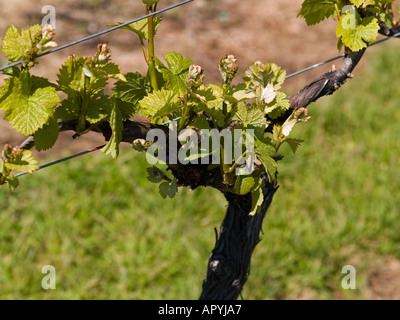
x: 95, y: 35
x: 62, y: 160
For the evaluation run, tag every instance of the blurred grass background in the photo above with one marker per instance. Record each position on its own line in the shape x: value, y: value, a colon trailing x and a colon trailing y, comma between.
x: 110, y: 235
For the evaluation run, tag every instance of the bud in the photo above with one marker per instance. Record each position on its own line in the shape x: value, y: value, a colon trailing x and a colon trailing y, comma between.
x: 11, y: 153
x: 301, y: 115
x: 47, y: 38
x: 195, y: 77
x: 150, y: 2
x: 228, y: 68
x: 140, y: 145
x: 103, y: 54
x: 47, y: 32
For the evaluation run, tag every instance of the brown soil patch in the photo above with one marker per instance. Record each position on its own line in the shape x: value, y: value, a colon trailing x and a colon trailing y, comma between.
x: 384, y: 281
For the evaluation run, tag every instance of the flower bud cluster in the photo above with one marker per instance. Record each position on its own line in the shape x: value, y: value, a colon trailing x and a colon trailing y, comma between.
x: 47, y: 41
x: 195, y: 77
x: 228, y: 68
x: 10, y: 153
x: 102, y: 55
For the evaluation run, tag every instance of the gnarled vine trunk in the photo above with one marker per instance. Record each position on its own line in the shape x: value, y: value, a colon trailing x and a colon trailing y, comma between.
x: 229, y: 264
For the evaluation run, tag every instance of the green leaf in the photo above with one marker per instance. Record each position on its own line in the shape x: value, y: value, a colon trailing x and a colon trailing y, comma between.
x: 265, y: 151
x: 32, y: 112
x: 27, y: 105
x: 240, y: 93
x: 156, y: 175
x: 250, y: 115
x: 358, y: 3
x: 244, y: 184
x: 200, y: 122
x: 168, y: 189
x: 294, y: 143
x: 98, y: 108
x: 71, y: 79
x: 141, y: 27
x: 46, y: 137
x: 127, y: 109
x: 260, y: 74
x: 159, y: 103
x: 13, y: 47
x: 116, y: 124
x: 16, y: 46
x: 25, y: 162
x: 132, y: 90
x: 278, y: 106
x: 150, y: 2
x: 12, y: 182
x: 257, y: 198
x: 357, y: 38
x: 176, y: 72
x: 102, y: 72
x: 314, y: 11
x: 288, y: 126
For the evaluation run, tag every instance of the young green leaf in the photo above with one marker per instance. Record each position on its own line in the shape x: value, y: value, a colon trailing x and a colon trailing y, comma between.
x: 168, y: 189
x: 314, y: 11
x: 265, y: 151
x: 156, y: 175
x: 116, y: 124
x: 132, y: 90
x: 12, y: 182
x: 260, y: 74
x: 16, y: 46
x: 357, y: 38
x: 24, y: 162
x: 71, y: 79
x: 244, y: 184
x: 278, y: 106
x: 176, y: 72
x: 46, y: 137
x: 27, y: 105
x: 141, y: 27
x: 358, y: 3
x: 159, y: 103
x: 293, y: 143
x: 256, y: 201
x: 250, y: 115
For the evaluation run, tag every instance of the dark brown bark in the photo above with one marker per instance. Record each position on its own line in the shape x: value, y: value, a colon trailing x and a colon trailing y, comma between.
x: 229, y: 264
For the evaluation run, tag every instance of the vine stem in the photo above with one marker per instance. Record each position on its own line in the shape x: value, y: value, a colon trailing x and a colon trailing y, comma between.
x: 84, y: 107
x: 152, y: 69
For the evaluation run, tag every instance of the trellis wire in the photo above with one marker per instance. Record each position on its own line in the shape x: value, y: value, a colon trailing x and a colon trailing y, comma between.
x: 95, y: 35
x: 62, y: 160
x: 165, y: 123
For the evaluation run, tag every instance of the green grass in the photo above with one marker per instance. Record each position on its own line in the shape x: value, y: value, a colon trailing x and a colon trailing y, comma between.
x: 110, y: 235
